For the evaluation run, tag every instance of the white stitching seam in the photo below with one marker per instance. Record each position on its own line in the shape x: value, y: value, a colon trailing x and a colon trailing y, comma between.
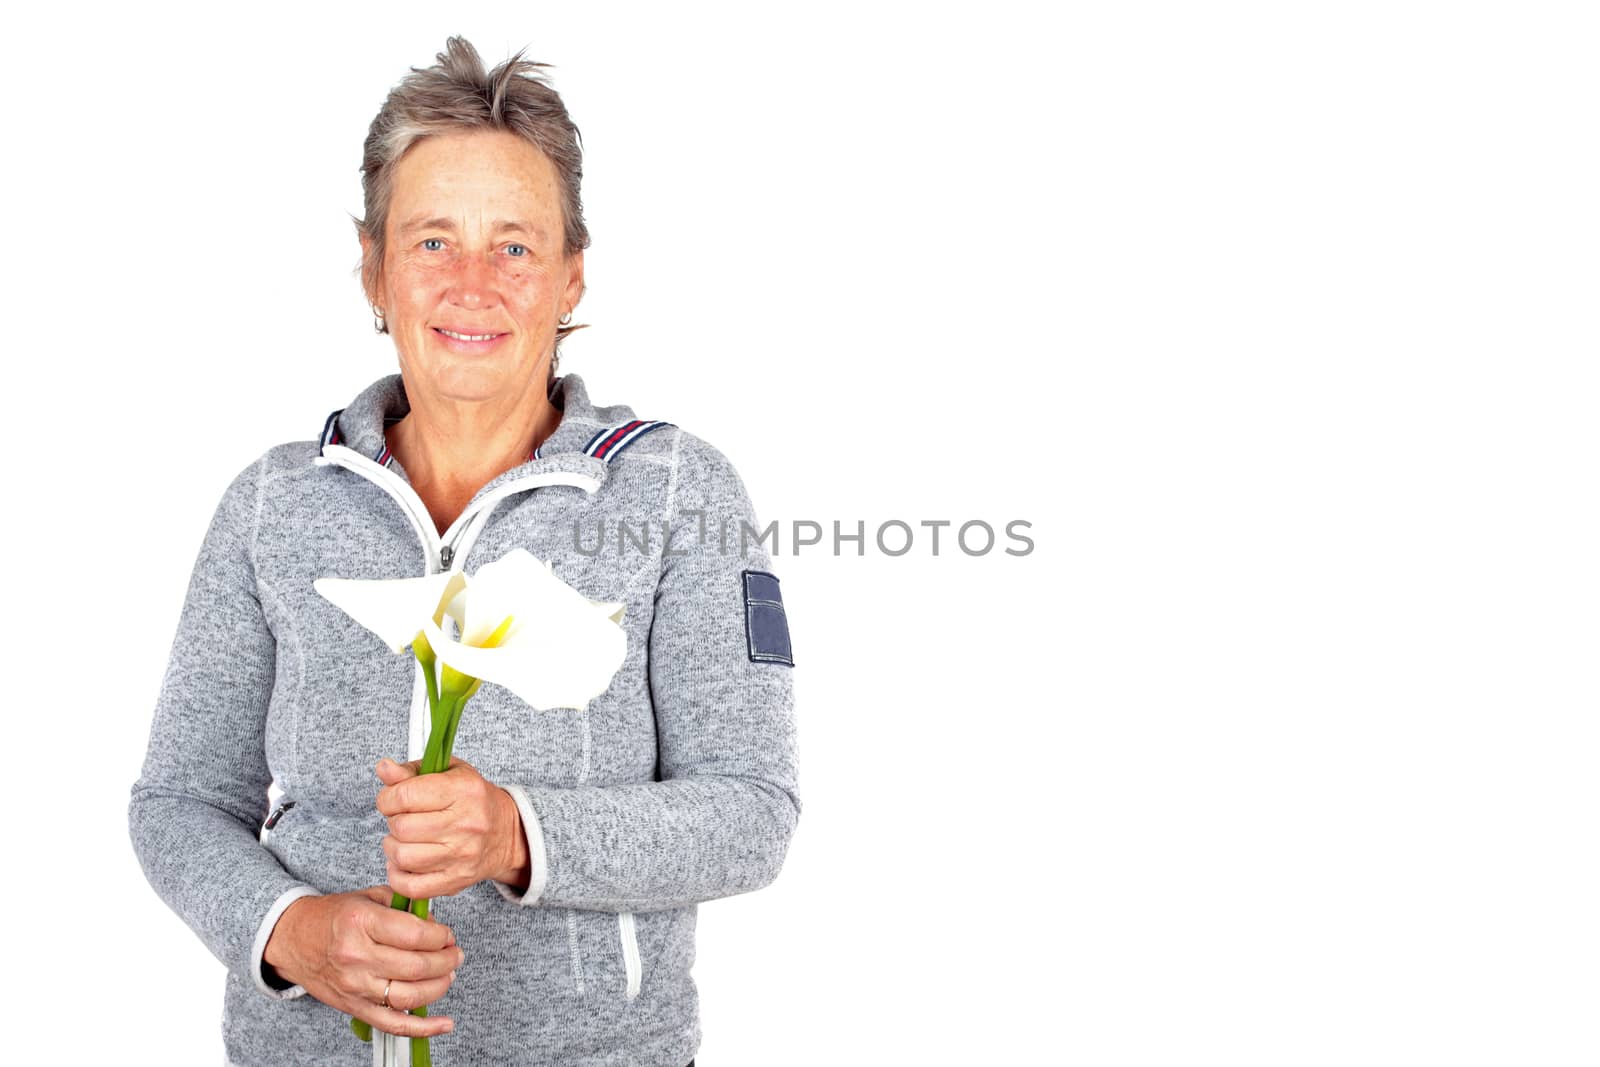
x: 572, y: 943
x: 667, y: 515
x: 583, y: 724
x: 572, y: 916
x: 298, y: 652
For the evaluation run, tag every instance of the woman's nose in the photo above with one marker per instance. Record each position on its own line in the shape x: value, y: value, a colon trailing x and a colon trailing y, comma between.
x: 473, y: 283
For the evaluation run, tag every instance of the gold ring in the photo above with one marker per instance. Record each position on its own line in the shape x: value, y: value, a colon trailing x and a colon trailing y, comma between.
x: 386, y: 986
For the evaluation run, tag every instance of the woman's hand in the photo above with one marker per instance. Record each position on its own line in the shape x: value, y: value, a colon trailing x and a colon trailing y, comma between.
x: 345, y: 947
x: 448, y: 830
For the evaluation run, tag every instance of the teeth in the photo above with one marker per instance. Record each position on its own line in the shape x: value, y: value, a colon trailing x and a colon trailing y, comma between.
x: 468, y: 336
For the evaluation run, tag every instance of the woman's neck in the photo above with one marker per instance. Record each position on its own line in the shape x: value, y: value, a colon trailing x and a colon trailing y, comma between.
x: 449, y: 451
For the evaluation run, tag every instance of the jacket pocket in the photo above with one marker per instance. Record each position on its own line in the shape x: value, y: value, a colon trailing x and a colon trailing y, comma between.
x: 631, y: 967
x: 334, y: 853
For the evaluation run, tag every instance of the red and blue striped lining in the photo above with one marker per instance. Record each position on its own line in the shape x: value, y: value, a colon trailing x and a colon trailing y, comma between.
x: 613, y: 439
x: 330, y: 431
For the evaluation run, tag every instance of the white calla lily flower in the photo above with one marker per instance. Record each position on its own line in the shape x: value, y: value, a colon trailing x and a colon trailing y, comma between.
x: 560, y: 651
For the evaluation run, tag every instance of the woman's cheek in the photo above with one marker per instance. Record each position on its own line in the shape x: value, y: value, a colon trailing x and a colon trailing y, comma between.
x: 522, y: 275
x: 528, y: 288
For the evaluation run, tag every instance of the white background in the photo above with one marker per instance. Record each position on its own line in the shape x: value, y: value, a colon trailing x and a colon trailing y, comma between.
x: 1276, y: 321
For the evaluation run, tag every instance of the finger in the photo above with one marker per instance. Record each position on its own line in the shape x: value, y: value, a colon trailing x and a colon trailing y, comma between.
x: 391, y: 773
x: 404, y: 966
x: 401, y: 1023
x: 416, y: 858
x: 424, y: 792
x: 399, y: 771
x: 403, y: 930
x: 379, y: 894
x: 434, y: 918
x: 445, y: 883
x: 421, y: 827
x: 403, y: 995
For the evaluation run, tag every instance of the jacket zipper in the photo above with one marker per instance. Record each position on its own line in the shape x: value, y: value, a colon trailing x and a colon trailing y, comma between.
x: 440, y: 554
x: 272, y: 819
x: 277, y: 813
x: 630, y: 952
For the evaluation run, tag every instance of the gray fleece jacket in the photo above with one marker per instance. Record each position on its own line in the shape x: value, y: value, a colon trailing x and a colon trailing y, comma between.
x: 674, y: 786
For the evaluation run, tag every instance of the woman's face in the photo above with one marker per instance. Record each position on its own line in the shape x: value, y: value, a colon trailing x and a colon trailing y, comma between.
x: 474, y: 279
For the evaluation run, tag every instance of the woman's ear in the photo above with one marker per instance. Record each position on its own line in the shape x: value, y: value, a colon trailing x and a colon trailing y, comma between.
x: 371, y: 272
x: 574, y: 290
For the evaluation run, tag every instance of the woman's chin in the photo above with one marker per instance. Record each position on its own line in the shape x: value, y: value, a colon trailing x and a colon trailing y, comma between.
x: 472, y: 379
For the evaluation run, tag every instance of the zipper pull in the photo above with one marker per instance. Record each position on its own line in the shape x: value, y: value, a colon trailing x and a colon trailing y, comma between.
x: 277, y: 813
x: 446, y: 554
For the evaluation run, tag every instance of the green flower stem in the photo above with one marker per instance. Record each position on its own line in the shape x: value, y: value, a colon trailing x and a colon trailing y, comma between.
x: 450, y: 725
x: 445, y: 713
x: 435, y: 757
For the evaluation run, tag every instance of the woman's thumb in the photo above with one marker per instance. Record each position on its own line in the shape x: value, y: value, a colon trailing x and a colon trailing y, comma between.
x: 392, y: 772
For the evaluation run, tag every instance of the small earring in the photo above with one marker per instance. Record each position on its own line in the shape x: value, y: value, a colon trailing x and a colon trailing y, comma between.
x: 377, y: 318
x: 566, y: 318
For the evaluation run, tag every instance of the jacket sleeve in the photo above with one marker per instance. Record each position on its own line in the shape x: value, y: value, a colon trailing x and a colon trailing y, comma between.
x: 720, y: 819
x: 196, y: 810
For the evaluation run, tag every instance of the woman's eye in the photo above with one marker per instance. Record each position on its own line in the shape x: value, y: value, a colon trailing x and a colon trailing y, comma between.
x: 516, y: 250
x: 433, y: 244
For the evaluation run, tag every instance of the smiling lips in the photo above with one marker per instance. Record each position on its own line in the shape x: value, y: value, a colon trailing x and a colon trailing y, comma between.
x: 464, y: 341
x: 456, y: 335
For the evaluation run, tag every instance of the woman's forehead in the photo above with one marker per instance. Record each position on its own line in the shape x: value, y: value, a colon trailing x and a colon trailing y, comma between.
x: 484, y: 177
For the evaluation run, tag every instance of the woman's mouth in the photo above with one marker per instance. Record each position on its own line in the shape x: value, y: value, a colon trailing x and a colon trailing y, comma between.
x: 467, y: 340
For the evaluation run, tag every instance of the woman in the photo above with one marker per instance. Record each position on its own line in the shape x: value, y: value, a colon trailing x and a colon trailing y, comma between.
x: 564, y: 851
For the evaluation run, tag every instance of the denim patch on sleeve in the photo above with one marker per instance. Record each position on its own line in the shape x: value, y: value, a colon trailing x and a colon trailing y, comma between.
x: 765, y: 624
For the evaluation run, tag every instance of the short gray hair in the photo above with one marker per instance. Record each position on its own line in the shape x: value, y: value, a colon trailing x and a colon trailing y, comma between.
x: 455, y: 95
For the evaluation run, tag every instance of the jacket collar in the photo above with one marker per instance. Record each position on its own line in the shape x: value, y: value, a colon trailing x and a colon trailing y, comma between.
x: 360, y: 426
